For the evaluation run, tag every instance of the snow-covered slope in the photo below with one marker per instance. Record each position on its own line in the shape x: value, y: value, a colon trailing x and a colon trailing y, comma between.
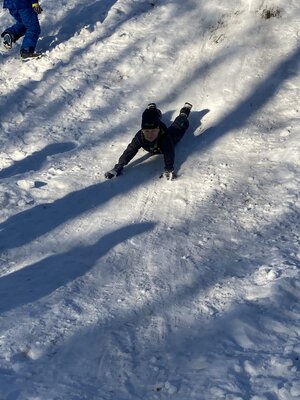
x: 138, y: 288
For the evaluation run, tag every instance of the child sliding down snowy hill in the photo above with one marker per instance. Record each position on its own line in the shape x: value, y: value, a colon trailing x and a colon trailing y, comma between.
x: 155, y: 138
x: 27, y: 24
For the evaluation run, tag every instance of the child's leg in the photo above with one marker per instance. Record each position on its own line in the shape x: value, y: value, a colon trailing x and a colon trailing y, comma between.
x: 31, y: 22
x: 178, y: 128
x: 17, y: 30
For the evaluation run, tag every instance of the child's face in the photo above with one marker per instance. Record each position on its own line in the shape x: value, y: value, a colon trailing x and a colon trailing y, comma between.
x: 151, y: 134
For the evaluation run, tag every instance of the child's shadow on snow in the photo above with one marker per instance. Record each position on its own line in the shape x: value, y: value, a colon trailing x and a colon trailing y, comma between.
x: 196, y: 120
x: 190, y: 143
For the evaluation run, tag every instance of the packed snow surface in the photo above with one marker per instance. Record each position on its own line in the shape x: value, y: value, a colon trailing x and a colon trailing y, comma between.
x: 138, y: 288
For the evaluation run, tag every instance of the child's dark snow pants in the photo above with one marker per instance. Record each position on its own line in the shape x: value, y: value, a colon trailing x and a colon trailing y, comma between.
x: 178, y: 128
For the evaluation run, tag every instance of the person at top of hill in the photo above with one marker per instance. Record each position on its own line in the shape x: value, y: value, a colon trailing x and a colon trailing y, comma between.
x: 155, y: 138
x: 25, y: 12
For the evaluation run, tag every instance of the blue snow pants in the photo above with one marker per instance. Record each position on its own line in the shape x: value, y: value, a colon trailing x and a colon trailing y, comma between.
x: 27, y: 25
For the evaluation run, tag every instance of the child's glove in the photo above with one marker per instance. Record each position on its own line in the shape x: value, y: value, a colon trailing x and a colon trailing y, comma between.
x: 112, y: 173
x: 169, y: 175
x: 37, y: 8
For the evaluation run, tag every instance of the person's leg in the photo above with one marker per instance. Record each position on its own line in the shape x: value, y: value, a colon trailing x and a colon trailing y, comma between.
x: 178, y: 128
x: 180, y: 124
x: 18, y: 29
x: 31, y: 22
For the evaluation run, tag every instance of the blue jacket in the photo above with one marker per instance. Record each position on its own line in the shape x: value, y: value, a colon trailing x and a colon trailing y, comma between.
x: 18, y: 4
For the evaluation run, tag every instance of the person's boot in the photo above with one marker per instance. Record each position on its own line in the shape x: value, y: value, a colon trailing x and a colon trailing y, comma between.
x: 186, y: 109
x: 28, y: 54
x: 8, y: 39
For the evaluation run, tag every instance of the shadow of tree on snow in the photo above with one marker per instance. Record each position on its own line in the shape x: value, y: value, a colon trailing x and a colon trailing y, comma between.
x: 35, y: 161
x: 38, y: 280
x: 80, y: 16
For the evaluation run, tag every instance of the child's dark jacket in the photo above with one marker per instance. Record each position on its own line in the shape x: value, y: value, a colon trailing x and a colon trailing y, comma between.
x: 162, y: 145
